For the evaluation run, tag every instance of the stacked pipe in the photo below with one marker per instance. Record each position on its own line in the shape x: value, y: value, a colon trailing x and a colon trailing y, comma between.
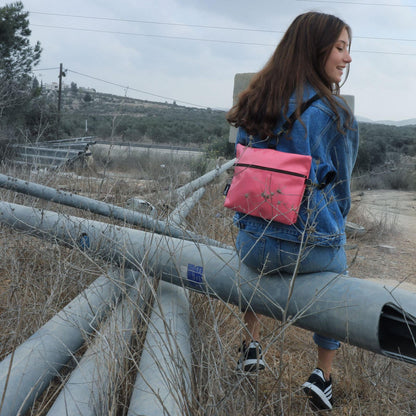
x: 102, y: 208
x: 92, y: 386
x: 360, y: 312
x: 27, y: 371
x: 89, y: 389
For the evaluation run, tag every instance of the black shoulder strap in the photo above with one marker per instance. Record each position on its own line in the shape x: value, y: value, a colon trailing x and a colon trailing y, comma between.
x: 289, y: 122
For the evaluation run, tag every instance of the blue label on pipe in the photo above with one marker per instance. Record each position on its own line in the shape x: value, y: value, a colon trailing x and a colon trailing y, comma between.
x: 84, y: 242
x: 194, y: 275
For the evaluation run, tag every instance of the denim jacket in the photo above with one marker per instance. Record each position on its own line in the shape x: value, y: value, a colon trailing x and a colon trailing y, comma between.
x: 323, y: 213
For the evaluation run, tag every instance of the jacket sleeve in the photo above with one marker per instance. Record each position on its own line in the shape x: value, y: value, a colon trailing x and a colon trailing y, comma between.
x: 343, y: 151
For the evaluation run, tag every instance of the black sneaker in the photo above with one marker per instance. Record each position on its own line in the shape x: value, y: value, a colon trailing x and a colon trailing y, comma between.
x: 319, y: 390
x: 251, y: 358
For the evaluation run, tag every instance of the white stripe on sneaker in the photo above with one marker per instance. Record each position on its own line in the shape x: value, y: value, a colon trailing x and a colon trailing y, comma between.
x: 328, y: 392
x: 324, y: 397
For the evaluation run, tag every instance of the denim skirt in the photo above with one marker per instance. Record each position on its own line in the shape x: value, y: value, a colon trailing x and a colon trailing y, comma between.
x: 270, y: 255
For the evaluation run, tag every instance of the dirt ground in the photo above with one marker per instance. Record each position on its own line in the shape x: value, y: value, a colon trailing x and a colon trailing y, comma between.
x: 389, y: 254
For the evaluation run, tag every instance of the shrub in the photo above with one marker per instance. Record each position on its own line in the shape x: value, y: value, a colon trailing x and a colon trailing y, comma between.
x: 399, y: 174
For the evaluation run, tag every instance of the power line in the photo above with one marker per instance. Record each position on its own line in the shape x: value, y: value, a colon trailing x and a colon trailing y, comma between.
x: 45, y: 69
x: 211, y: 27
x: 153, y: 22
x: 358, y: 3
x: 384, y: 53
x: 385, y: 38
x: 153, y: 36
x: 126, y: 88
x: 201, y: 39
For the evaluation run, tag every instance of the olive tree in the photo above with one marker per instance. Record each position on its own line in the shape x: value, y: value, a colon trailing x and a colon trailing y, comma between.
x: 17, y: 58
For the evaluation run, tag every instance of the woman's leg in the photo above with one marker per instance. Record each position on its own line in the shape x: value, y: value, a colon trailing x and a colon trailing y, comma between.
x: 327, y: 348
x: 318, y: 387
x: 252, y: 321
x: 251, y: 249
x: 251, y: 357
x: 325, y: 359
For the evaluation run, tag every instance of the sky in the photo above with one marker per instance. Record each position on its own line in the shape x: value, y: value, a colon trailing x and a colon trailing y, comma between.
x: 189, y: 51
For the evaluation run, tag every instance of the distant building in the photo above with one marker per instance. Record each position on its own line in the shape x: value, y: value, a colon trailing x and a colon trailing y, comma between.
x: 53, y: 86
x: 86, y: 89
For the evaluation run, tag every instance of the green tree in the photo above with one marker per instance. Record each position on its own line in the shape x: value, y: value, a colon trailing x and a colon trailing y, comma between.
x: 74, y: 88
x: 87, y: 97
x: 220, y: 146
x: 36, y: 87
x: 371, y: 153
x: 17, y: 56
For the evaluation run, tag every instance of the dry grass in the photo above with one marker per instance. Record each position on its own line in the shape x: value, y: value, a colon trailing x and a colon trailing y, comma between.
x: 38, y: 279
x: 364, y: 383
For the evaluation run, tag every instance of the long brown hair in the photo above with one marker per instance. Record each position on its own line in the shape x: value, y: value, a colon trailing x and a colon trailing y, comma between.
x: 299, y: 59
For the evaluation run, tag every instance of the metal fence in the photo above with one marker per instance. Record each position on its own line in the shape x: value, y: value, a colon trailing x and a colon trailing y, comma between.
x: 53, y: 154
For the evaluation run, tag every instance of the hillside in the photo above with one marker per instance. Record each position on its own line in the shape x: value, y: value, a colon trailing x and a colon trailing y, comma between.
x: 126, y: 119
x: 399, y: 123
x: 123, y: 119
x: 129, y: 119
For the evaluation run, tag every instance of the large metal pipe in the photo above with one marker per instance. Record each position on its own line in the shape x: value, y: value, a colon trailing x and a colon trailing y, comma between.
x: 164, y: 376
x: 163, y: 381
x: 360, y: 312
x: 178, y: 215
x: 101, y: 208
x: 89, y: 389
x: 92, y: 387
x: 185, y: 190
x: 25, y: 373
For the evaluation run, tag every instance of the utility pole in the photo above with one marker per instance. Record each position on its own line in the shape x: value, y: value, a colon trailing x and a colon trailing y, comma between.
x: 61, y: 74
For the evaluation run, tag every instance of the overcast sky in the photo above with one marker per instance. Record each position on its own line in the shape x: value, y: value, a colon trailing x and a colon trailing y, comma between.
x: 190, y: 50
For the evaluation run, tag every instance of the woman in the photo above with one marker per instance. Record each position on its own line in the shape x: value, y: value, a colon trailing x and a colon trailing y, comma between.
x: 311, y: 58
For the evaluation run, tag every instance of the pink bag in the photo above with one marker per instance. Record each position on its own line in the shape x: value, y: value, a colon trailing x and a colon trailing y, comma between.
x: 268, y: 183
